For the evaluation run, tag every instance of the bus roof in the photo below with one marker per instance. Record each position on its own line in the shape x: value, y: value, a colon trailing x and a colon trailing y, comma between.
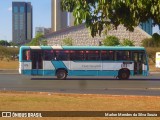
x: 83, y: 47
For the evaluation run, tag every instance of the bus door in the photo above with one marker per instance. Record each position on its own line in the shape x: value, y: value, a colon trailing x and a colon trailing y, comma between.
x: 138, y: 62
x: 37, y: 62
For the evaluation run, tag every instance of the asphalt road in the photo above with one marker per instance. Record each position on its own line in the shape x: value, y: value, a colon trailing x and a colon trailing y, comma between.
x: 85, y: 85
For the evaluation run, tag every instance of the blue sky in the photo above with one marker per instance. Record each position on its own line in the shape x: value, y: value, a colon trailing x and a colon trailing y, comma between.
x: 41, y: 16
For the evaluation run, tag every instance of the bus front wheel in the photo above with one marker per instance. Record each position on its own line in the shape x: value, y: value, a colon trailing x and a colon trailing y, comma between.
x: 123, y: 74
x: 61, y: 74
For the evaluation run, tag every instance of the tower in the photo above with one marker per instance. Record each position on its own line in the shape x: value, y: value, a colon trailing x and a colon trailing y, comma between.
x: 21, y: 22
x: 59, y: 18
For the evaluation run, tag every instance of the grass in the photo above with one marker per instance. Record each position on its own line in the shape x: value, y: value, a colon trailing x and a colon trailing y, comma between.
x: 19, y: 101
x: 9, y: 64
x: 153, y: 68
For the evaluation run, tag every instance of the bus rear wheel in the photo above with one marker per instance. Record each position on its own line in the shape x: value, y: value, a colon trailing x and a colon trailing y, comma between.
x: 123, y: 74
x: 61, y: 74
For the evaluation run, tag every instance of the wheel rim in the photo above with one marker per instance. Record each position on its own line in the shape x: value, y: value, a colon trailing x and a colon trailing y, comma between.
x: 124, y: 75
x: 61, y: 75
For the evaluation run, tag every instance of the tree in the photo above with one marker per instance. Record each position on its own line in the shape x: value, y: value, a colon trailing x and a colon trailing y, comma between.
x: 152, y: 42
x: 98, y: 14
x: 37, y: 40
x: 68, y: 41
x: 13, y: 44
x: 4, y: 43
x: 111, y: 41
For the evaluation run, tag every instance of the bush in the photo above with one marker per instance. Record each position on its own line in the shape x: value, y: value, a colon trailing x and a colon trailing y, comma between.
x: 148, y: 42
x: 111, y: 41
x: 127, y: 42
x: 8, y: 53
x: 156, y: 39
x: 152, y: 53
x: 152, y: 42
x: 67, y: 41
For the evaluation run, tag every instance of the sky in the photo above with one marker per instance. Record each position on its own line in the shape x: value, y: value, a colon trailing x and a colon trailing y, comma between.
x: 41, y: 16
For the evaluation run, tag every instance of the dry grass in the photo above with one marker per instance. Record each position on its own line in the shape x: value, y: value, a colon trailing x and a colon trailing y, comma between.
x: 153, y: 68
x: 77, y: 102
x: 9, y: 64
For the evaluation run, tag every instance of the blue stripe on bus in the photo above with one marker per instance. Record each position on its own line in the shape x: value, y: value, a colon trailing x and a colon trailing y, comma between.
x: 46, y: 48
x: 77, y: 72
x: 102, y: 48
x: 59, y: 64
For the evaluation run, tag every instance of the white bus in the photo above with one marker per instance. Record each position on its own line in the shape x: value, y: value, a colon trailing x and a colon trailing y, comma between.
x: 63, y: 61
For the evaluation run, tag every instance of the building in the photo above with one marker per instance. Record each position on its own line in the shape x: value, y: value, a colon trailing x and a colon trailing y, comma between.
x: 42, y: 30
x: 21, y: 22
x: 71, y: 19
x: 81, y: 36
x: 147, y: 26
x: 59, y: 19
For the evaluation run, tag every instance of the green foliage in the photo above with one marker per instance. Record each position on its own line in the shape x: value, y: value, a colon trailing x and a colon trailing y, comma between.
x: 127, y: 42
x: 4, y: 43
x: 148, y: 42
x: 111, y: 41
x: 37, y: 40
x: 100, y: 13
x: 152, y: 42
x: 68, y: 41
x: 12, y: 44
x: 8, y: 53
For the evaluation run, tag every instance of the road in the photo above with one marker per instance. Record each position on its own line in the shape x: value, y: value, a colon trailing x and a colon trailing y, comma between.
x: 149, y: 86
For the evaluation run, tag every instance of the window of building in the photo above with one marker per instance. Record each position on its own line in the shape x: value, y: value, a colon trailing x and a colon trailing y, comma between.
x: 21, y: 9
x: 16, y: 22
x: 15, y: 9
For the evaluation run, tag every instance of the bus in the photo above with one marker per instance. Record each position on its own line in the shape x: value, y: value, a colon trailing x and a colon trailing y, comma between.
x: 62, y: 61
x: 157, y: 59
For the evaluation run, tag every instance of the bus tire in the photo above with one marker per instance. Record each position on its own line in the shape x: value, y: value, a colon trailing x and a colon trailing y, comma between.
x: 123, y: 74
x: 61, y: 74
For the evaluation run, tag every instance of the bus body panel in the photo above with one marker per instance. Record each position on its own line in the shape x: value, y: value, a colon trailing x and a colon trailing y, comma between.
x: 81, y: 69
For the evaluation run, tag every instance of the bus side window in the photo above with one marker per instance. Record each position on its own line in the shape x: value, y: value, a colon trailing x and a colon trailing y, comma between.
x: 92, y: 55
x: 49, y: 55
x: 123, y: 55
x: 76, y: 55
x: 107, y: 55
x: 26, y: 55
x: 62, y: 55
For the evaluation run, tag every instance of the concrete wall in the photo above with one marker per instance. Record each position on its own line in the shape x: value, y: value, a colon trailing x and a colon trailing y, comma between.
x: 81, y: 36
